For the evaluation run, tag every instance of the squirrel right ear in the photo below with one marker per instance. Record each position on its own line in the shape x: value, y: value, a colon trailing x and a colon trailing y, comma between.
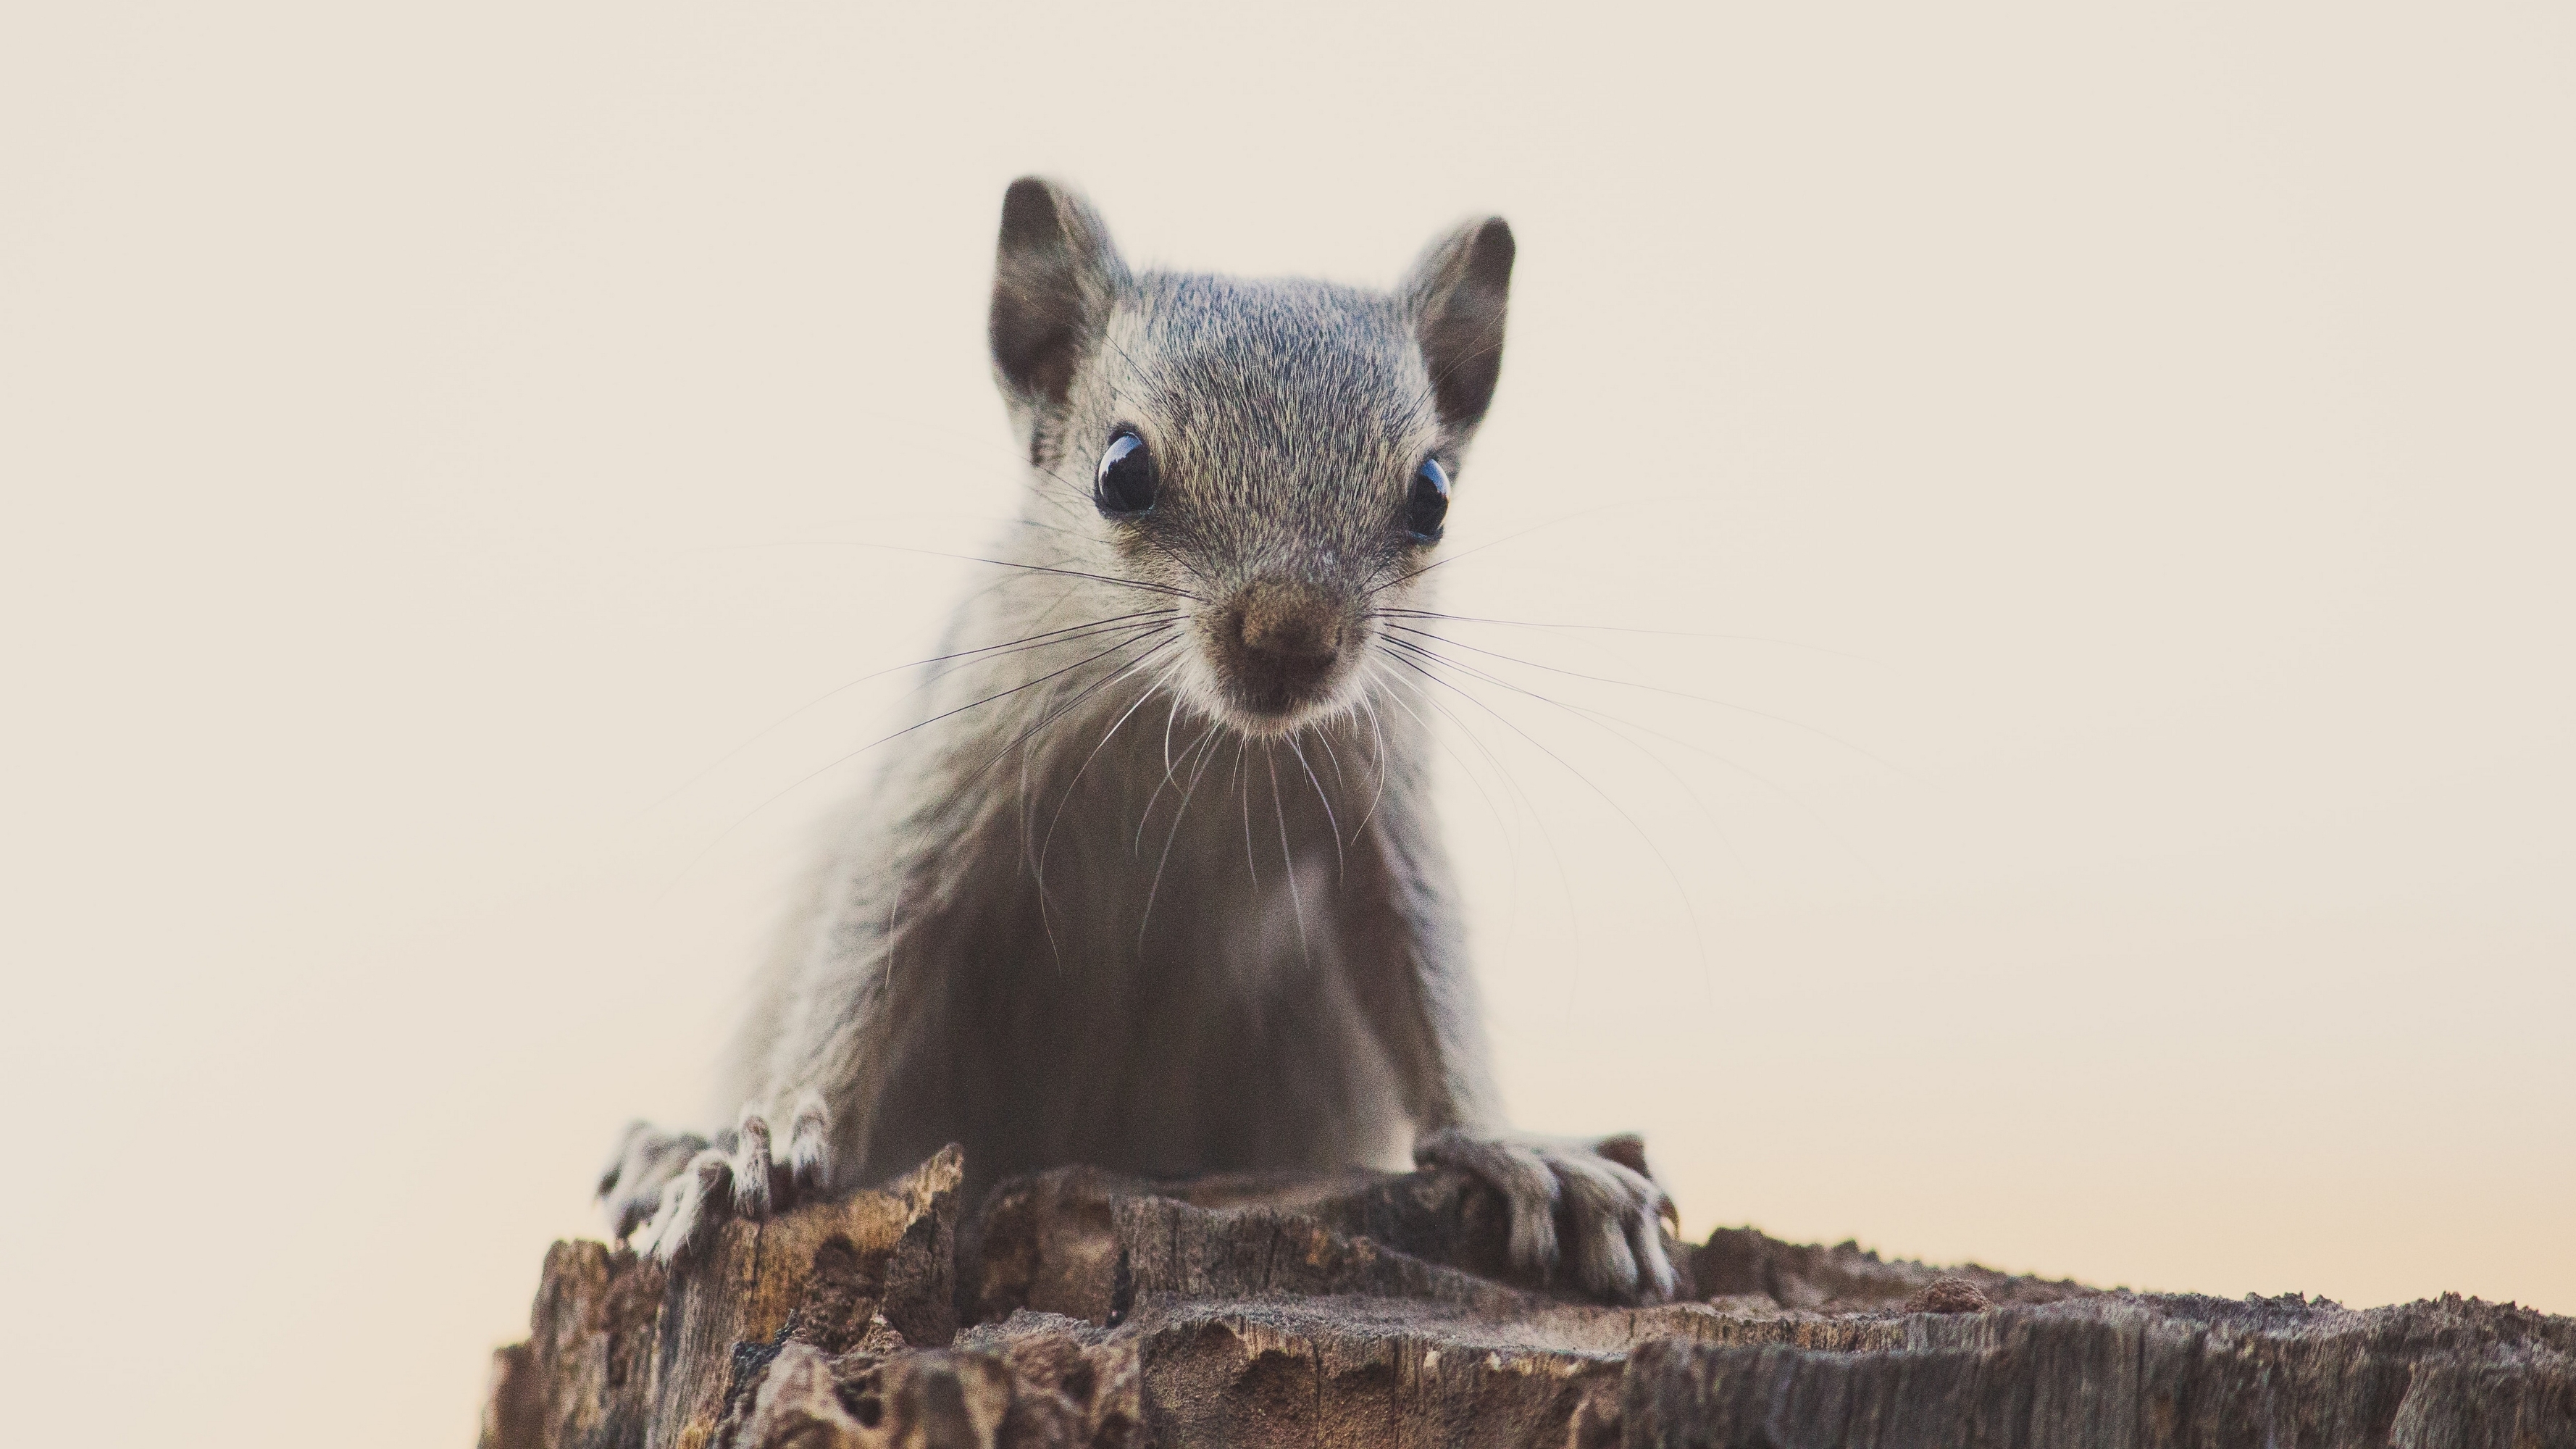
x: 1455, y: 296
x: 1055, y: 275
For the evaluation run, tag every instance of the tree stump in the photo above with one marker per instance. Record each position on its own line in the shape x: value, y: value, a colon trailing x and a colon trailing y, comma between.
x: 1378, y: 1310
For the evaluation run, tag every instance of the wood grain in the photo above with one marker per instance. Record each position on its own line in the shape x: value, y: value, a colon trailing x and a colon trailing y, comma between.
x: 1375, y: 1310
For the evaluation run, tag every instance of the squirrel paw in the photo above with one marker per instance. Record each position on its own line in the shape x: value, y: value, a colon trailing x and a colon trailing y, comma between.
x: 676, y: 1186
x: 1593, y: 1202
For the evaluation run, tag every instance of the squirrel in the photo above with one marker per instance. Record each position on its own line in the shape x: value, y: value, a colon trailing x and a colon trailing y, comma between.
x: 1153, y: 881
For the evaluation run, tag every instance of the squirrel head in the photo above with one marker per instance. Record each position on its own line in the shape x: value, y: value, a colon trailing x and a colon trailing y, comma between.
x: 1275, y: 456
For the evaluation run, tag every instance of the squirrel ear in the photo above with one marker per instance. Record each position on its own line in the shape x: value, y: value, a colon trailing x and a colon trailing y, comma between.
x: 1054, y: 276
x: 1455, y: 296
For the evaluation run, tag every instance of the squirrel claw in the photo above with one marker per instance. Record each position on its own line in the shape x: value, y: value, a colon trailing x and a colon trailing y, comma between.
x: 666, y: 1190
x: 1572, y: 1198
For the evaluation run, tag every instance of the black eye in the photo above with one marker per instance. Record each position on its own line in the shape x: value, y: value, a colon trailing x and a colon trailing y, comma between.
x: 1126, y: 482
x: 1429, y: 503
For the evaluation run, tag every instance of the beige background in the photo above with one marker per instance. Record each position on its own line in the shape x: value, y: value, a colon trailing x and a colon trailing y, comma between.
x: 2125, y: 832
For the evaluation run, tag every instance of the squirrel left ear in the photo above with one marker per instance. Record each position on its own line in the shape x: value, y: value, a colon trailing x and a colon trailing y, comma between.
x: 1055, y: 275
x: 1455, y: 296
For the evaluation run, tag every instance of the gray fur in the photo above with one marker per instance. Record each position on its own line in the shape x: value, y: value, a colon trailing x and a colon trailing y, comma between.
x: 1096, y: 908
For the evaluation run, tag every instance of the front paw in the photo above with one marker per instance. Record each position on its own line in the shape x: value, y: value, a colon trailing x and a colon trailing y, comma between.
x: 1589, y: 1203
x: 676, y: 1186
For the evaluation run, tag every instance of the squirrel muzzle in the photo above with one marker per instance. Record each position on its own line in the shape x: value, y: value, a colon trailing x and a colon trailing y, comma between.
x: 1279, y: 646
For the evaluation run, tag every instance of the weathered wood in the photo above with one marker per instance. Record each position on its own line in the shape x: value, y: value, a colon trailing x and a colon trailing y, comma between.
x: 1845, y: 1279
x: 1051, y: 1241
x: 1041, y: 1391
x: 2117, y: 1370
x: 626, y: 1353
x: 1350, y: 1310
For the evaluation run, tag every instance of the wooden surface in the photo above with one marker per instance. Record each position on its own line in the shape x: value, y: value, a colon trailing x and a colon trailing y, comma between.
x: 1374, y: 1310
x: 624, y: 1353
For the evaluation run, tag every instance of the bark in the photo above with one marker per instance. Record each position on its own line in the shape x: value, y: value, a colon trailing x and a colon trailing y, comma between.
x: 1378, y: 1310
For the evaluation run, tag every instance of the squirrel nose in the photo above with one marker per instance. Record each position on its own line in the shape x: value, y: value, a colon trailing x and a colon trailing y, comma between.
x: 1290, y: 621
x: 1279, y: 645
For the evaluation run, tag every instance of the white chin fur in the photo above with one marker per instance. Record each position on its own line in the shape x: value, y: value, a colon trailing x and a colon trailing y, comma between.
x: 1199, y: 690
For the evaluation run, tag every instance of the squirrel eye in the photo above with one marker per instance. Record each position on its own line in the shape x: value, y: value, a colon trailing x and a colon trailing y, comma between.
x: 1429, y: 503
x: 1126, y: 481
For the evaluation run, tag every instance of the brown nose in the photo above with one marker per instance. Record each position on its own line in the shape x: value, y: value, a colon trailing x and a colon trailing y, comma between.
x: 1279, y: 644
x: 1293, y: 621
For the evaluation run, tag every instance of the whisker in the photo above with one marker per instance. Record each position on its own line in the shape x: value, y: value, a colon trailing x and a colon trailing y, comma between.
x: 1501, y: 823
x: 1249, y: 867
x: 1139, y: 630
x: 848, y: 756
x: 1324, y: 737
x: 1287, y: 862
x: 1005, y: 563
x: 1186, y: 567
x: 1142, y: 695
x: 1435, y: 614
x: 1038, y: 865
x: 1064, y: 635
x: 1159, y: 546
x: 1206, y: 745
x: 1059, y: 713
x: 1604, y: 721
x: 1818, y: 732
x: 1445, y: 559
x: 1027, y: 797
x: 1186, y: 751
x: 1689, y: 907
x: 1378, y: 730
x: 1341, y: 867
x: 1528, y: 807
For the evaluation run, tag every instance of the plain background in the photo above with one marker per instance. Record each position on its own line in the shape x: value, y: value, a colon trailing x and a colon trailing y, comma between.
x: 2101, y: 808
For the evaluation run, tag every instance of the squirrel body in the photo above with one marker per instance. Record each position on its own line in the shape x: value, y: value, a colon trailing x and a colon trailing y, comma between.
x: 1153, y: 882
